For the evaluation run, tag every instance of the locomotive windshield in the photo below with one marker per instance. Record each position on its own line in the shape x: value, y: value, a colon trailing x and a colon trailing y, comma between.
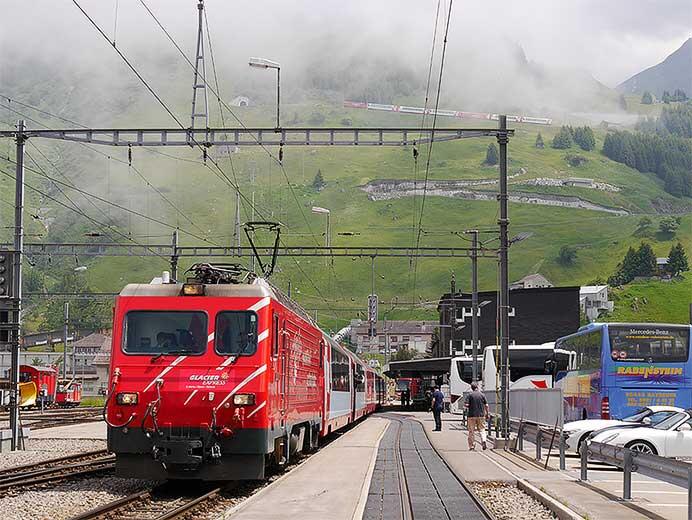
x: 165, y: 332
x: 236, y: 333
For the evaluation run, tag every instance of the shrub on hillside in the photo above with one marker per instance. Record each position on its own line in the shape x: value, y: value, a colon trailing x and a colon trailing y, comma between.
x: 574, y: 159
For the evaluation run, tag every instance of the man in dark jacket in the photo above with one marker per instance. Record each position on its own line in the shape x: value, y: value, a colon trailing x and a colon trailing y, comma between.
x: 437, y: 404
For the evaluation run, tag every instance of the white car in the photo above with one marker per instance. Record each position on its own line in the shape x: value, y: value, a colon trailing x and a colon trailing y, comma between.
x: 672, y: 437
x: 576, y: 432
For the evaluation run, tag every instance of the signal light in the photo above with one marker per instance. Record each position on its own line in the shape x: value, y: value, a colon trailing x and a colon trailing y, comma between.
x: 5, y: 274
x: 244, y: 399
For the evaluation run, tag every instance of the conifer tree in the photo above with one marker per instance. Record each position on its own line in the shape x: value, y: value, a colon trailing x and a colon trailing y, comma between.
x: 677, y: 260
x: 563, y: 139
x: 491, y: 155
x: 539, y: 141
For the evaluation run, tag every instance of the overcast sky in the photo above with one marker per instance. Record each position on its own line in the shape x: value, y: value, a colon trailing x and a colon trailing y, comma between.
x: 611, y: 39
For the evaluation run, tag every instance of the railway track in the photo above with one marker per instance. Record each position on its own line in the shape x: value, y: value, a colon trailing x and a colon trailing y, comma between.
x: 160, y: 503
x: 412, y: 482
x: 55, y: 469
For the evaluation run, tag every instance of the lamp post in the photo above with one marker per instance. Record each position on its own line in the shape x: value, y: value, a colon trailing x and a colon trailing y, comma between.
x: 263, y: 63
x: 328, y: 233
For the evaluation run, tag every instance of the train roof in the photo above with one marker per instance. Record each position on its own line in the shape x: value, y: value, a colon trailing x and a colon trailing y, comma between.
x: 259, y: 288
x: 38, y: 369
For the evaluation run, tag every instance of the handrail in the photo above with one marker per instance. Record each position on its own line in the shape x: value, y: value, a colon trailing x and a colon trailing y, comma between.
x: 673, y: 471
x: 537, y: 434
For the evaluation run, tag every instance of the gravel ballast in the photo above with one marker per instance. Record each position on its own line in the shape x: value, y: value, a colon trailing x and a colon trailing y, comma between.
x: 507, y: 502
x: 64, y: 500
x: 38, y: 450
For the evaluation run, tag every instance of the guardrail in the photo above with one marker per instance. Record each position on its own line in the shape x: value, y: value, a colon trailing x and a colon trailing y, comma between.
x: 541, y: 435
x: 672, y: 471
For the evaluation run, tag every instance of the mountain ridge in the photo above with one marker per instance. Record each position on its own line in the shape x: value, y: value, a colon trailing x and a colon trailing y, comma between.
x: 674, y: 72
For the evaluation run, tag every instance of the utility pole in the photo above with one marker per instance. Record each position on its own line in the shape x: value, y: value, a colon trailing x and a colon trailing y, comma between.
x: 74, y: 361
x: 66, y: 315
x: 236, y: 234
x: 199, y: 81
x: 452, y: 312
x: 474, y: 302
x: 503, y: 139
x: 174, y: 256
x: 17, y: 285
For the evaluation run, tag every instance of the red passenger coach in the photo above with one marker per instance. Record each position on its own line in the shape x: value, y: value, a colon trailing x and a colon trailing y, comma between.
x: 215, y: 381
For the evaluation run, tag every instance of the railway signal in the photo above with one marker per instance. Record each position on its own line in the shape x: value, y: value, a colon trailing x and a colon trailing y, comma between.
x: 5, y: 275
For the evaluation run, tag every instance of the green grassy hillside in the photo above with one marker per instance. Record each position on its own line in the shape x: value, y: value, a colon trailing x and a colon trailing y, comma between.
x: 653, y: 301
x: 205, y: 207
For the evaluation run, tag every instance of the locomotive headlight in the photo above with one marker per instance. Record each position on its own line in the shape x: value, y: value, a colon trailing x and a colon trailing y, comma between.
x: 126, y: 398
x: 193, y: 289
x: 244, y: 399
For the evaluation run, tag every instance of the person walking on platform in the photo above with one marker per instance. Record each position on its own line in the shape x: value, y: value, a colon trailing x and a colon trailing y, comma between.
x: 437, y: 404
x: 405, y: 400
x: 477, y: 411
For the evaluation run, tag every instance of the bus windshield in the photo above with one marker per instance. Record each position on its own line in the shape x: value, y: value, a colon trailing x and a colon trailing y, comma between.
x: 650, y: 344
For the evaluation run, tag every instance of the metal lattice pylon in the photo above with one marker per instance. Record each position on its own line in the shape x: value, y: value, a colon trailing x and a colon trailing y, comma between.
x: 199, y: 82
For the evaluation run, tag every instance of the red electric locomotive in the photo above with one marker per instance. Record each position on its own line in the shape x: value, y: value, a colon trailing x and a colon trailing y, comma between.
x: 213, y: 381
x: 69, y: 394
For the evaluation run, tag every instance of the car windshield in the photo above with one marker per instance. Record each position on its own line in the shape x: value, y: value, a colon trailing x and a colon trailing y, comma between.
x: 165, y: 332
x: 638, y: 415
x: 671, y: 421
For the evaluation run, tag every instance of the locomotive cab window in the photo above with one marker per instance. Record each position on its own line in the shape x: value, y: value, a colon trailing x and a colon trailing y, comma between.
x: 165, y: 332
x: 236, y: 333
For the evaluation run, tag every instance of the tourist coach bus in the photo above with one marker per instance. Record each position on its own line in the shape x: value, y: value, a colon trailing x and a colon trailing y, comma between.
x: 620, y: 367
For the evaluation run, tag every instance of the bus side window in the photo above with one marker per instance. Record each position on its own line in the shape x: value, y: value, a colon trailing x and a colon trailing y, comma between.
x: 275, y: 335
x: 321, y: 353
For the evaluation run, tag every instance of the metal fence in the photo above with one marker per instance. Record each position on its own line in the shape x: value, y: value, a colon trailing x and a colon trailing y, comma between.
x: 542, y: 406
x: 672, y: 471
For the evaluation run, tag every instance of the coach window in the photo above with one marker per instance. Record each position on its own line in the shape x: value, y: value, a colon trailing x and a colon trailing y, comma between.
x: 236, y: 333
x: 165, y: 332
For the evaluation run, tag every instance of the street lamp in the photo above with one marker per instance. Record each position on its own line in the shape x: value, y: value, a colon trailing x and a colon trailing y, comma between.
x: 328, y: 233
x: 263, y: 63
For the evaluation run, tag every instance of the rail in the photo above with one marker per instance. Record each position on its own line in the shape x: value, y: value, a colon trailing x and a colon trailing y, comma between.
x: 673, y: 471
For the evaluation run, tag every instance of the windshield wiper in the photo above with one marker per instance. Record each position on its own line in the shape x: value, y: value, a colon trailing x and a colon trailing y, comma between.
x: 169, y: 353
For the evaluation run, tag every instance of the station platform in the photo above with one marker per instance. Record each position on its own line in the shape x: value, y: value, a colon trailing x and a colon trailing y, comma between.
x: 394, y: 466
x: 331, y: 484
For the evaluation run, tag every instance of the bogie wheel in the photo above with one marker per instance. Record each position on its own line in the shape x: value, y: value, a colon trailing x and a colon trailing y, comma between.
x: 642, y: 447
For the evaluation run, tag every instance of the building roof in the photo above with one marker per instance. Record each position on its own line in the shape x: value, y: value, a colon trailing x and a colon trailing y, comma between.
x: 662, y: 261
x: 418, y: 367
x: 103, y: 356
x: 591, y: 289
x: 95, y: 340
x: 535, y: 279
